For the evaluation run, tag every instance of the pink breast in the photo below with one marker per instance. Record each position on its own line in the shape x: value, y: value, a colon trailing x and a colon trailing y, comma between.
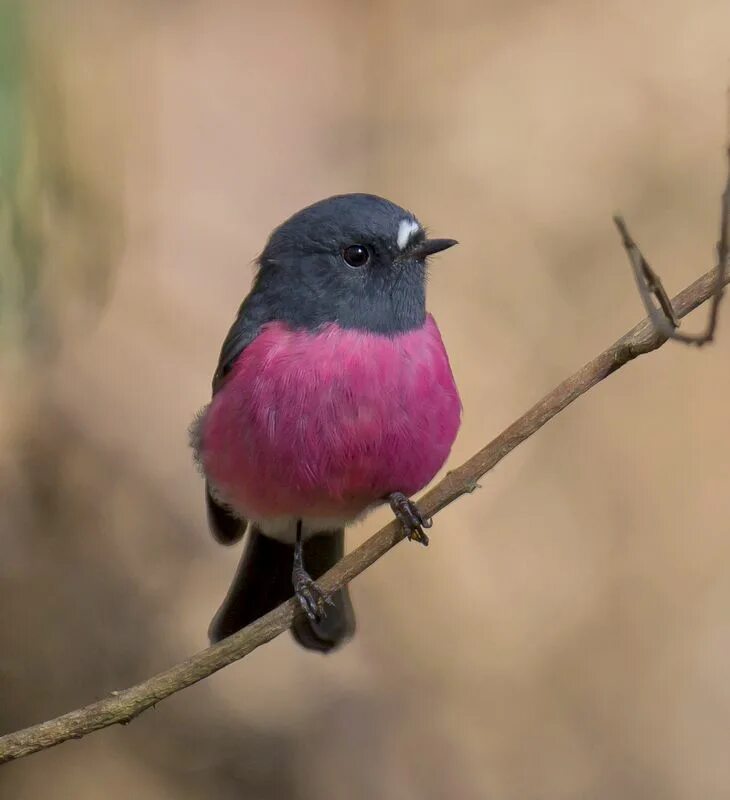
x: 324, y: 424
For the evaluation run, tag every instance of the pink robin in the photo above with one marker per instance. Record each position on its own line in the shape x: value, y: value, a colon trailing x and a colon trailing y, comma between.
x: 333, y: 394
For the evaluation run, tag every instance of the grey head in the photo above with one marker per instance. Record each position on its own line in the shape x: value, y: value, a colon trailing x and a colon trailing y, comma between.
x: 357, y: 260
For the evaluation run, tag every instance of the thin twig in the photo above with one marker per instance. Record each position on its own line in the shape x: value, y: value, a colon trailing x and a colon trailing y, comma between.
x: 650, y: 284
x: 123, y: 706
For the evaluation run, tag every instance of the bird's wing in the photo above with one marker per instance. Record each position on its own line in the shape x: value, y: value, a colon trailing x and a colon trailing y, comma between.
x: 226, y: 527
x: 244, y: 330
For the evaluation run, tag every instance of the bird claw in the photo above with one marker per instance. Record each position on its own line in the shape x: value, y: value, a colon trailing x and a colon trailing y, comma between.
x: 311, y: 598
x: 407, y: 513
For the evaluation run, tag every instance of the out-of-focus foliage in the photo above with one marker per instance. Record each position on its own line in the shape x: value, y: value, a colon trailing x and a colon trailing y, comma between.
x: 18, y: 246
x: 59, y: 225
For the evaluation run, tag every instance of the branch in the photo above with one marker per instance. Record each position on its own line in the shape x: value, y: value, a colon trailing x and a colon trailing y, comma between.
x: 650, y: 284
x: 122, y: 707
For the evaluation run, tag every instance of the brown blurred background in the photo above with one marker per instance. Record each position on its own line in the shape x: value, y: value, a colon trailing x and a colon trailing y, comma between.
x: 567, y: 634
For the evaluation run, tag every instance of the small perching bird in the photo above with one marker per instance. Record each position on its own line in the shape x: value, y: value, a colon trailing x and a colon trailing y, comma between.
x: 333, y: 394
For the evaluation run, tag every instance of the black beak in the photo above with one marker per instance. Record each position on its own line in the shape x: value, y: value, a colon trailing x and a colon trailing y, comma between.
x: 429, y: 247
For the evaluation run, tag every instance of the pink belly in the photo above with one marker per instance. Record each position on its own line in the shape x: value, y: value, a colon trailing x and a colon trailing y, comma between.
x: 325, y: 424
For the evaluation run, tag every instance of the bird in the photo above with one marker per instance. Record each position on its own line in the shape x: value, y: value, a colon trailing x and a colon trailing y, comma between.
x: 333, y: 395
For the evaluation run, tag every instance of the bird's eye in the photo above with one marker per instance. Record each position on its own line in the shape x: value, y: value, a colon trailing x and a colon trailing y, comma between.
x: 356, y: 255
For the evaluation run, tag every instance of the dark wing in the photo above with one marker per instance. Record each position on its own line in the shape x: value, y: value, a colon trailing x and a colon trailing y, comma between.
x: 226, y: 527
x: 244, y: 330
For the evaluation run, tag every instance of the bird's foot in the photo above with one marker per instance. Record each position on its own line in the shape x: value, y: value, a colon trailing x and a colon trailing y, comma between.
x: 311, y: 598
x: 407, y: 513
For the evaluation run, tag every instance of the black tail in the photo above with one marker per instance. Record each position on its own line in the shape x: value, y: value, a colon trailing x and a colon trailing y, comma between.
x: 264, y: 580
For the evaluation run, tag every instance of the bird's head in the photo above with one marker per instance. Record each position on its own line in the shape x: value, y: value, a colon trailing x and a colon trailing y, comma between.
x: 356, y: 260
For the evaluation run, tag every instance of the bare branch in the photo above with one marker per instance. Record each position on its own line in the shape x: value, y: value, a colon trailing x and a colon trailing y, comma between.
x: 650, y: 284
x: 123, y: 706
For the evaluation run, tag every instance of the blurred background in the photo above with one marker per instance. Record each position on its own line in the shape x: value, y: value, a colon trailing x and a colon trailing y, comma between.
x: 567, y: 633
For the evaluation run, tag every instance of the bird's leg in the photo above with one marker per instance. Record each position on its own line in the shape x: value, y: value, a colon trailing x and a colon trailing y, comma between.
x: 311, y: 598
x: 407, y: 513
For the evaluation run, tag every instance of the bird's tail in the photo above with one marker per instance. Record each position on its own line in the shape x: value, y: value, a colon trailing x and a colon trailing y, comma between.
x: 264, y: 580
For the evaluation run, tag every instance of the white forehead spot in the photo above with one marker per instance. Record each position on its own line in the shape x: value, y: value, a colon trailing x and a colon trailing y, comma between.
x: 406, y: 229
